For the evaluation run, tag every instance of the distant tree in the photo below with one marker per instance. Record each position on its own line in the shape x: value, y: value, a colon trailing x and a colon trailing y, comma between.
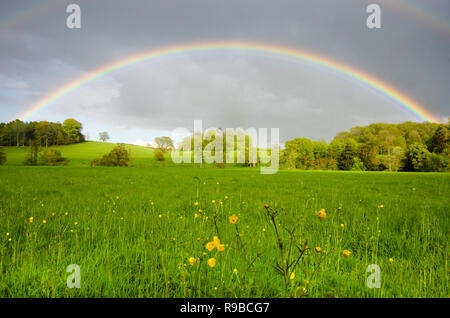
x: 2, y: 156
x: 103, y: 136
x: 72, y: 128
x: 44, y: 131
x: 164, y: 143
x: 32, y: 157
x: 347, y: 158
x: 416, y: 157
x: 118, y: 157
x: 440, y: 140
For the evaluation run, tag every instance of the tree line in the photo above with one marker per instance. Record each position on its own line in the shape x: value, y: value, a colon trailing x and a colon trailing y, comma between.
x: 45, y: 133
x: 407, y: 146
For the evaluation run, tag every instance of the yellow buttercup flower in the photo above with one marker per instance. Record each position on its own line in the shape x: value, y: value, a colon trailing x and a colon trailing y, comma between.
x: 44, y: 221
x: 160, y: 216
x: 31, y: 219
x: 391, y: 260
x: 7, y: 233
x: 342, y: 225
x: 318, y: 249
x: 221, y: 247
x: 213, y: 201
x: 195, y: 215
x: 192, y: 261
x: 212, y: 262
x: 292, y: 276
x: 322, y: 215
x: 210, y: 246
x: 195, y: 203
x: 380, y: 206
x: 235, y: 271
x: 233, y: 219
x: 346, y: 253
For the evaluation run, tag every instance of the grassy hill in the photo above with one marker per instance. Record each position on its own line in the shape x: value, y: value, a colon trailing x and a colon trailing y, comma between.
x: 81, y: 154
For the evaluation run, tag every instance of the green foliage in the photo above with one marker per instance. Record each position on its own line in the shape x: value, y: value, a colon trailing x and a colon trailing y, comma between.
x: 33, y: 153
x: 2, y: 156
x: 51, y: 157
x: 164, y: 143
x: 346, y: 158
x: 118, y: 157
x: 416, y: 157
x: 18, y: 133
x: 159, y: 155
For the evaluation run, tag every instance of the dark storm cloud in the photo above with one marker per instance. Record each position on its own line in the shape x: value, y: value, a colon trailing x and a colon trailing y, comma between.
x: 222, y: 88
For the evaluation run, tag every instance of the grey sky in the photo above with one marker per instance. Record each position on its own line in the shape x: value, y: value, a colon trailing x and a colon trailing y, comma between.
x: 223, y: 88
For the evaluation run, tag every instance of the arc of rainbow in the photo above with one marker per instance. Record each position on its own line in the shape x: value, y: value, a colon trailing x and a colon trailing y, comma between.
x: 391, y: 92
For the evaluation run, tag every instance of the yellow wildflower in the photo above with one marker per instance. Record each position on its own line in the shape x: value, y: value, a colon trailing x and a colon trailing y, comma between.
x: 322, y: 215
x: 391, y: 260
x: 346, y: 253
x: 212, y: 262
x: 192, y: 261
x: 318, y: 249
x: 235, y: 271
x: 44, y: 221
x: 292, y: 276
x: 195, y: 203
x: 233, y: 219
x: 31, y: 219
x: 210, y: 246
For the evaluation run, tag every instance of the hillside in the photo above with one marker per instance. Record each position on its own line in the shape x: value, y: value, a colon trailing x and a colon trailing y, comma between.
x: 81, y: 154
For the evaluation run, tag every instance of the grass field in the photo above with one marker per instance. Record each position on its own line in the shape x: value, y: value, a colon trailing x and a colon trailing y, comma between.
x: 139, y: 232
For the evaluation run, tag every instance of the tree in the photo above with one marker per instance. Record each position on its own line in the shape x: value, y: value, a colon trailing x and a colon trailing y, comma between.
x: 72, y: 128
x: 44, y: 131
x: 103, y: 136
x: 164, y: 143
x: 416, y: 157
x: 2, y: 156
x: 159, y: 155
x: 346, y: 159
x: 118, y: 157
x: 32, y: 157
x: 51, y: 157
x: 440, y: 140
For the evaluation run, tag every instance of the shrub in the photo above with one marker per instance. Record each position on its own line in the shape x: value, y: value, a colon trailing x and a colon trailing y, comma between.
x: 159, y: 155
x: 51, y: 157
x: 118, y: 157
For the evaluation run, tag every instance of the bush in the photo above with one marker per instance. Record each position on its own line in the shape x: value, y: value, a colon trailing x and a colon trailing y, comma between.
x: 2, y: 156
x: 118, y: 157
x: 159, y: 155
x: 51, y: 157
x: 436, y: 163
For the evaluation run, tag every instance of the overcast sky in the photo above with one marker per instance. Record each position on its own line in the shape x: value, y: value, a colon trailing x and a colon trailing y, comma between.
x: 38, y: 53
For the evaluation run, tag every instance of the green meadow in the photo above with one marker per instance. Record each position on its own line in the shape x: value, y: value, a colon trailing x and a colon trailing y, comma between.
x: 143, y: 231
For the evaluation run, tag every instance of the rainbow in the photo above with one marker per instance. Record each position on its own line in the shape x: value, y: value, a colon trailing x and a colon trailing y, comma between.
x: 392, y: 93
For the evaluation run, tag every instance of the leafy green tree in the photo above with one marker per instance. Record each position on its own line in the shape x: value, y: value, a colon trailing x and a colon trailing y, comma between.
x: 164, y: 143
x: 118, y: 157
x: 440, y: 140
x: 72, y: 129
x: 51, y: 157
x: 44, y: 132
x: 32, y: 157
x: 416, y: 157
x: 347, y: 158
